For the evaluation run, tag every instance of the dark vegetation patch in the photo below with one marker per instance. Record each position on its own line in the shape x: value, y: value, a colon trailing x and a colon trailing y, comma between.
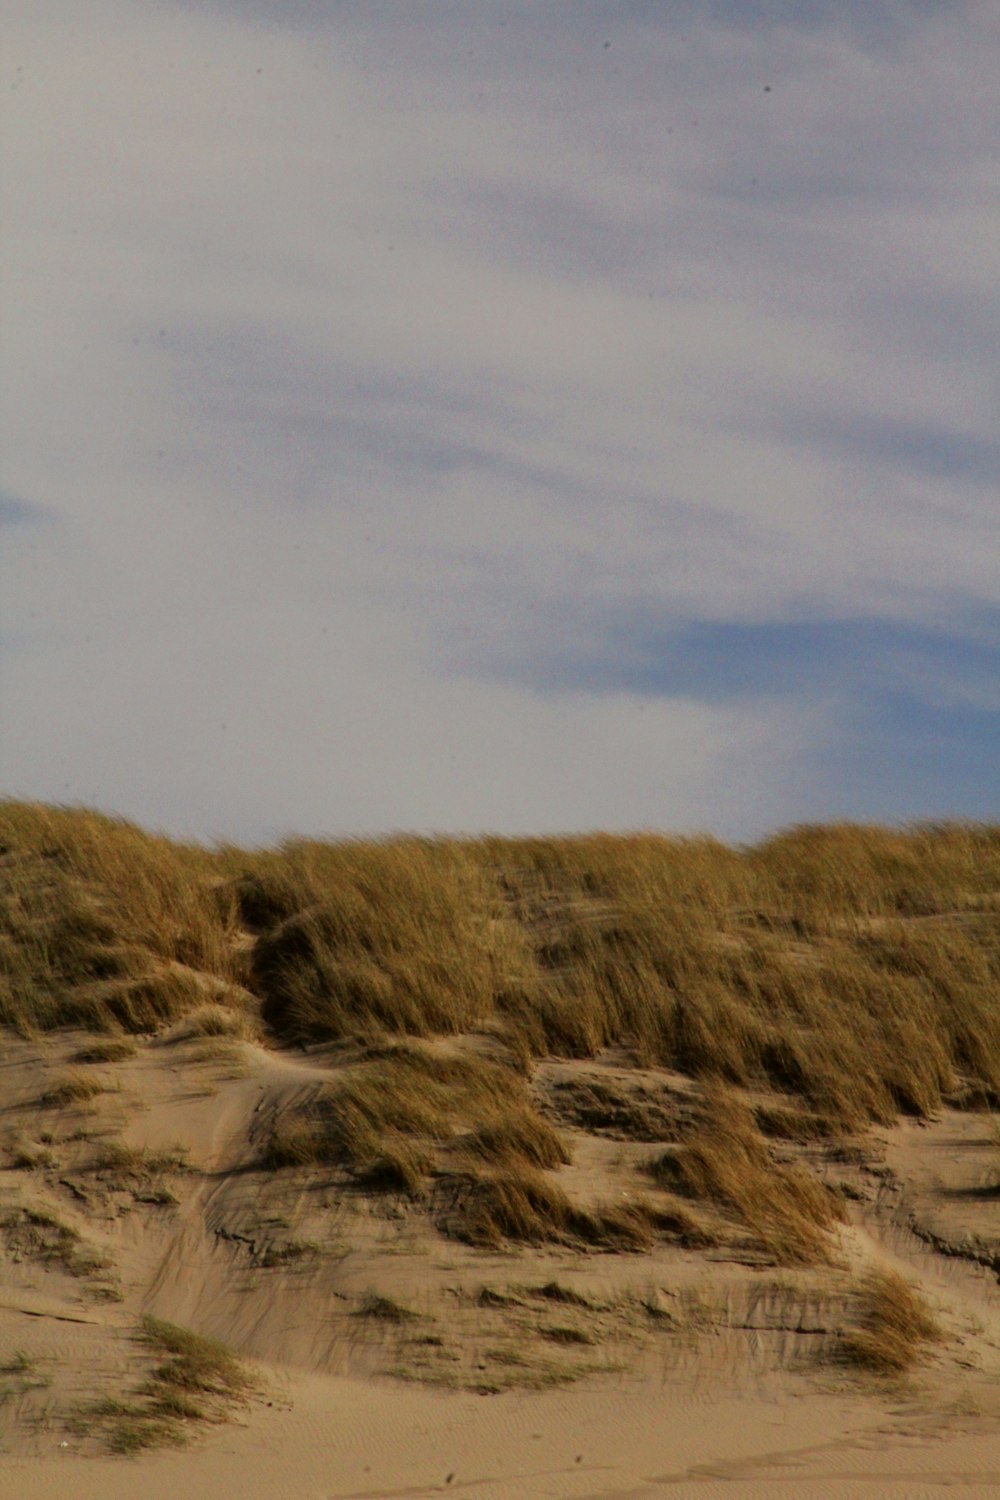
x: 554, y: 1291
x: 606, y: 1106
x: 385, y: 1309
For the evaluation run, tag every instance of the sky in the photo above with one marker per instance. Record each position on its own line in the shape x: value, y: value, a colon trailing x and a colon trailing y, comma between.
x: 461, y: 417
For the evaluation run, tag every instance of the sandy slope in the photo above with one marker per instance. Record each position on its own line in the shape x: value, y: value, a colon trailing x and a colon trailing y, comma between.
x: 713, y: 1372
x: 341, y: 1438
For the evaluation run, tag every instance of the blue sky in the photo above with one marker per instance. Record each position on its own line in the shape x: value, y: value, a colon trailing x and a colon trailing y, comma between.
x: 447, y: 417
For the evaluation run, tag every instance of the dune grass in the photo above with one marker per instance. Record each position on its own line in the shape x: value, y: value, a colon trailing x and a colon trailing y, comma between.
x: 387, y: 1115
x: 723, y: 1160
x: 488, y: 1209
x: 850, y: 970
x: 106, y: 1050
x: 93, y: 912
x: 892, y: 1326
x: 72, y: 1087
x: 34, y: 1232
x: 198, y: 1379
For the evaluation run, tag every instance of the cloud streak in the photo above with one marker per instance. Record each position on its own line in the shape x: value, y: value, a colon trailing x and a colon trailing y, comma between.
x: 605, y: 386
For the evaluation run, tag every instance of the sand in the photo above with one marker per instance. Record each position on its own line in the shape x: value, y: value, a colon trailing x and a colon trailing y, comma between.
x: 716, y: 1373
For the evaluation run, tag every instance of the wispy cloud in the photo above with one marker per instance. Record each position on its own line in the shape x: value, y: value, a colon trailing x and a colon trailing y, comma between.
x: 470, y: 416
x: 15, y: 512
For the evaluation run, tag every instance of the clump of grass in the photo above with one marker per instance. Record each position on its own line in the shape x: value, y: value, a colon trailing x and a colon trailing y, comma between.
x: 217, y: 1020
x: 400, y: 1167
x: 289, y: 1253
x: 565, y: 1334
x: 793, y: 1124
x: 520, y: 1136
x: 490, y: 1297
x: 20, y: 1374
x: 194, y: 1363
x: 554, y: 1291
x: 384, y: 1117
x: 42, y: 1236
x: 723, y: 1160
x: 140, y: 1169
x: 490, y: 1209
x: 226, y: 1050
x: 609, y: 1107
x: 893, y: 1325
x: 117, y: 1156
x: 114, y: 1049
x: 73, y: 1087
x: 384, y: 1309
x: 198, y: 1380
x: 28, y: 1156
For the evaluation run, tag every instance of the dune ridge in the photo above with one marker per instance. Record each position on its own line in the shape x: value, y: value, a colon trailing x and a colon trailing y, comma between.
x: 512, y: 1118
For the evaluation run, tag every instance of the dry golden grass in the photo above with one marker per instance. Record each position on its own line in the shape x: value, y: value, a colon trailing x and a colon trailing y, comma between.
x: 892, y: 1327
x: 851, y: 969
x: 723, y: 1160
x: 388, y: 1113
x: 218, y: 1021
x: 367, y: 938
x: 72, y: 1087
x: 91, y: 909
x: 114, y: 1049
x: 487, y: 1209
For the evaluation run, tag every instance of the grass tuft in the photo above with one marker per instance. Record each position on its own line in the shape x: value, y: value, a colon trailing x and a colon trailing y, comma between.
x: 114, y: 1049
x: 199, y: 1380
x: 384, y: 1309
x: 73, y: 1087
x: 893, y: 1325
x: 723, y: 1160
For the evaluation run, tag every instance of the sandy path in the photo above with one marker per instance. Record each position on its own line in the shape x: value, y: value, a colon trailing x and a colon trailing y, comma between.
x: 337, y: 1439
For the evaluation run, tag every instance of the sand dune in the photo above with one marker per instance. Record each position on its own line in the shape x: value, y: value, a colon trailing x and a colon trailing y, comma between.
x: 682, y: 1371
x: 593, y: 1168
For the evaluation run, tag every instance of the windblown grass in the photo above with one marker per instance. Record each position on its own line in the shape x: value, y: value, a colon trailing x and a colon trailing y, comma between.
x: 893, y: 1325
x: 488, y: 1209
x: 113, y: 1049
x: 387, y: 1114
x: 198, y: 1380
x: 852, y: 970
x: 723, y: 1160
x: 92, y: 914
x: 72, y: 1087
x: 367, y: 938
